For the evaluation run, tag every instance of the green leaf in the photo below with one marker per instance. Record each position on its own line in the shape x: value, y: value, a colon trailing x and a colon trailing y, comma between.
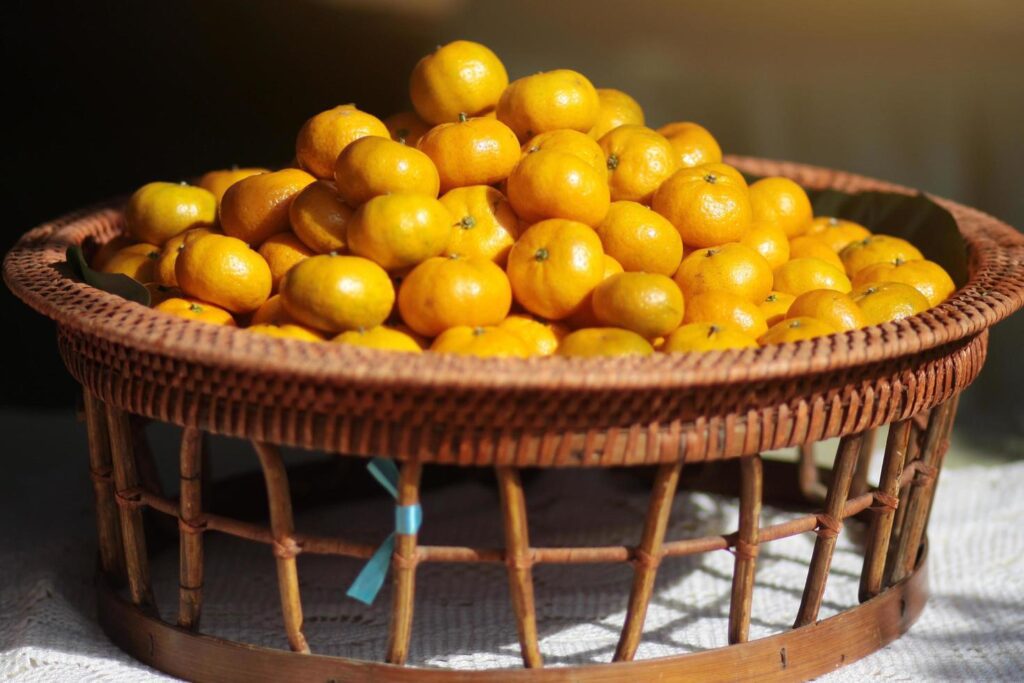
x: 115, y: 283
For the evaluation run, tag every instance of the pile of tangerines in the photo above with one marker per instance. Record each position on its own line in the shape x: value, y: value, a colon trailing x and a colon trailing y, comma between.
x: 534, y: 217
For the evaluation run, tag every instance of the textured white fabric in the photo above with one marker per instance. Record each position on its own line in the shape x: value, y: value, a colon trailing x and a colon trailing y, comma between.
x: 972, y: 629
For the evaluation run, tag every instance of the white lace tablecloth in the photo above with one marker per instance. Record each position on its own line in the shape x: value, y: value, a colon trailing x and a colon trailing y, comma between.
x: 971, y: 630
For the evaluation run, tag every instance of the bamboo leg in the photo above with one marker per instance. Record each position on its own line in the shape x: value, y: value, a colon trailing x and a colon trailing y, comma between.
x: 807, y: 475
x: 899, y: 518
x: 108, y: 531
x: 860, y: 476
x: 829, y: 526
x: 403, y: 564
x: 886, y: 503
x: 751, y: 481
x: 922, y: 489
x: 191, y: 526
x: 126, y: 483
x: 648, y: 557
x: 282, y: 526
x: 520, y: 562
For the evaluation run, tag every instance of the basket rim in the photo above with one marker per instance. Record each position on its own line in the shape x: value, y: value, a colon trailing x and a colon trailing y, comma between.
x: 994, y: 290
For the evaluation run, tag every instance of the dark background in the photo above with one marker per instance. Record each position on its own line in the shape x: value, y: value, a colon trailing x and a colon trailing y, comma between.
x: 104, y: 96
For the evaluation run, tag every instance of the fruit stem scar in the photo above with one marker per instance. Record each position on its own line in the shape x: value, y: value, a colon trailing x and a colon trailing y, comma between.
x: 542, y: 254
x: 712, y: 329
x: 613, y: 162
x: 467, y: 222
x: 462, y: 117
x: 710, y: 252
x: 771, y: 298
x: 195, y: 308
x: 477, y: 331
x: 710, y: 178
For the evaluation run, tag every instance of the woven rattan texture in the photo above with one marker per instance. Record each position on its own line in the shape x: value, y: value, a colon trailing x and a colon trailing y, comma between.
x: 551, y: 411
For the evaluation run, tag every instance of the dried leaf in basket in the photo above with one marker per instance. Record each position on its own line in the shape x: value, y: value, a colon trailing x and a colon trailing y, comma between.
x: 115, y: 283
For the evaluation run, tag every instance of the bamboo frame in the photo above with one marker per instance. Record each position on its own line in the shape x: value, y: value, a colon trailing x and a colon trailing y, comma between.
x: 108, y: 529
x: 191, y: 527
x: 519, y: 558
x: 811, y: 487
x: 747, y: 540
x: 403, y: 565
x: 881, y: 525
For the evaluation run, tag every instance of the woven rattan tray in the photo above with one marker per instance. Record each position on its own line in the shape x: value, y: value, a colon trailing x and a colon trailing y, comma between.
x: 665, y: 410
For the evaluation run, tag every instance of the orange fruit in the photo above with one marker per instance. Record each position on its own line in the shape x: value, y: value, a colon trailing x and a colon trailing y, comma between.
x: 877, y: 249
x: 584, y: 315
x: 547, y: 101
x: 159, y: 293
x: 323, y: 137
x: 768, y: 240
x: 572, y: 142
x: 732, y: 268
x: 554, y: 266
x: 380, y: 337
x: 837, y: 232
x: 480, y: 341
x: 406, y: 127
x: 604, y: 341
x: 257, y: 207
x: 105, y: 251
x: 693, y: 144
x: 281, y: 252
x: 806, y: 274
x: 550, y: 184
x: 400, y: 230
x: 883, y: 302
x: 156, y: 212
x: 646, y: 303
x: 809, y: 246
x: 319, y: 218
x: 540, y: 336
x: 794, y: 330
x: 783, y: 202
x: 272, y: 312
x: 927, y: 277
x: 194, y: 309
x: 775, y: 306
x: 337, y: 293
x: 220, y: 180
x: 224, y: 271
x: 708, y: 207
x: 640, y: 239
x: 137, y: 261
x: 485, y: 224
x: 829, y: 306
x: 615, y: 108
x: 461, y: 77
x: 706, y: 337
x: 165, y: 262
x: 725, y: 309
x: 444, y: 292
x: 286, y: 331
x: 477, y: 151
x: 639, y: 160
x: 373, y: 166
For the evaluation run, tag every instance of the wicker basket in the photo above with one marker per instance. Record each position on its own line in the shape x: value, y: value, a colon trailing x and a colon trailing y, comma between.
x: 677, y: 412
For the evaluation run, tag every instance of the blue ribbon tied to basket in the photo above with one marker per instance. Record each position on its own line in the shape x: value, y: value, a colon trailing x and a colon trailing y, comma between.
x: 408, y: 519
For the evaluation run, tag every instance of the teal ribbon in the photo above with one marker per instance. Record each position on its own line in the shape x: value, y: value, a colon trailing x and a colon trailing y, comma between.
x: 408, y: 519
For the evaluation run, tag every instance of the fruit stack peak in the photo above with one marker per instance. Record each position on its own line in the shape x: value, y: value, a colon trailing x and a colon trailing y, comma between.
x: 539, y: 216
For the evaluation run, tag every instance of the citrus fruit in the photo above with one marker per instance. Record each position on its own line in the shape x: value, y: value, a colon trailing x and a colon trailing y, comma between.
x: 733, y: 268
x: 337, y: 293
x: 693, y: 144
x: 549, y: 184
x: 810, y: 246
x: 540, y: 336
x: 649, y: 304
x: 883, y: 302
x: 640, y: 239
x: 806, y: 274
x: 706, y: 337
x: 220, y: 180
x: 159, y: 293
x: 477, y: 151
x: 224, y: 271
x: 448, y: 291
x: 768, y: 240
x: 372, y: 166
x: 281, y: 252
x: 927, y: 277
x: 796, y: 329
x: 775, y: 306
x: 877, y: 249
x: 460, y: 77
x: 323, y: 137
x: 837, y: 232
x: 725, y: 309
x: 829, y: 306
x: 400, y: 230
x: 547, y: 101
x: 106, y: 250
x: 137, y: 261
x: 165, y: 262
x: 286, y: 331
x: 572, y: 142
x: 554, y: 266
x: 156, y: 212
x: 707, y: 207
x: 272, y: 312
x: 639, y: 160
x: 406, y: 127
x: 480, y: 341
x: 783, y: 202
x: 319, y: 218
x: 194, y: 309
x: 615, y: 108
x: 380, y: 337
x: 257, y: 207
x: 485, y: 224
x: 584, y: 315
x: 604, y: 341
